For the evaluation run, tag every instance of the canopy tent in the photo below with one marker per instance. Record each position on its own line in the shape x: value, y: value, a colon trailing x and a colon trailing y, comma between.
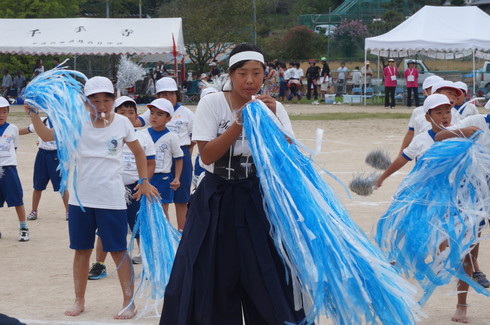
x: 91, y: 36
x: 440, y: 32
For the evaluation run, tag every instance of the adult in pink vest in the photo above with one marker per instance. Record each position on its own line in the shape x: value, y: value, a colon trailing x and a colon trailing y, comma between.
x: 390, y: 73
x: 412, y: 84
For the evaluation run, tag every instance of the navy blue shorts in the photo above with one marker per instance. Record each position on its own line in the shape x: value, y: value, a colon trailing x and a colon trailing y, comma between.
x: 162, y: 182
x: 45, y: 170
x: 111, y: 226
x: 183, y: 193
x: 133, y: 209
x: 10, y: 187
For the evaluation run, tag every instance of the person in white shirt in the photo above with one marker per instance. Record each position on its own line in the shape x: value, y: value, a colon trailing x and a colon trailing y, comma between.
x: 10, y: 186
x: 98, y: 202
x: 341, y: 78
x: 226, y: 242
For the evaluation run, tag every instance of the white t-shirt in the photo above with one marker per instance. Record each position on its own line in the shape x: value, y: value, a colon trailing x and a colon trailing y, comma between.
x: 214, y: 116
x: 9, y: 141
x: 342, y: 72
x: 415, y: 113
x: 297, y: 73
x: 130, y: 171
x: 181, y: 124
x: 468, y: 110
x: 99, y: 180
x: 46, y: 145
x: 479, y: 121
x: 419, y: 145
x: 166, y: 148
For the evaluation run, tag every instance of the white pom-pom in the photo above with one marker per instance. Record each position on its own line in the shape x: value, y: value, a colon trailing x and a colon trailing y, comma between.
x: 128, y: 73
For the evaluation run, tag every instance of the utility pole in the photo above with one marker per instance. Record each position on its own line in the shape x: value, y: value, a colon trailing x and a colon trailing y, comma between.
x: 254, y: 22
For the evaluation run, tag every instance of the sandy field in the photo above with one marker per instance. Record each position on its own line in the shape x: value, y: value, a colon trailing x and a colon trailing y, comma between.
x: 36, y: 276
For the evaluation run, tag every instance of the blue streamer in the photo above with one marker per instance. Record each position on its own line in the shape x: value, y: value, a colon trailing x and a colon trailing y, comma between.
x: 158, y: 244
x: 335, y: 269
x: 59, y: 94
x: 442, y: 201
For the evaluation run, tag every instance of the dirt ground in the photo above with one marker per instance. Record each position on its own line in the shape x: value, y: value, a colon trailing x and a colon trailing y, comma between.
x: 36, y: 276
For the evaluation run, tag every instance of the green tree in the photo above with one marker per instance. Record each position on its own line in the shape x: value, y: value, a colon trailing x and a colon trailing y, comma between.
x: 301, y: 43
x: 38, y: 8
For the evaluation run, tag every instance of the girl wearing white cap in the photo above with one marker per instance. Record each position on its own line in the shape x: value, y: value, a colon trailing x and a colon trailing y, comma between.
x: 227, y: 262
x: 100, y: 190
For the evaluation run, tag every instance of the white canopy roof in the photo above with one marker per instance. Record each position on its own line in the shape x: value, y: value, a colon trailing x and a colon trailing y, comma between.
x: 94, y: 36
x: 441, y: 32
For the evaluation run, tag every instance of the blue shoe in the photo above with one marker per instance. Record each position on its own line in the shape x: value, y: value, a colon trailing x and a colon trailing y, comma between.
x: 97, y: 271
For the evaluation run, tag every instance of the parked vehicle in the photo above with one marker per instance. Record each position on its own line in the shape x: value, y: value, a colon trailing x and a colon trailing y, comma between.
x: 483, y: 76
x: 326, y: 30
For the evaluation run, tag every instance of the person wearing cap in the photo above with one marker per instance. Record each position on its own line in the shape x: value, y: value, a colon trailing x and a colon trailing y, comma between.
x: 214, y: 71
x: 390, y: 73
x: 99, y: 204
x: 418, y: 113
x: 437, y: 110
x: 169, y: 155
x: 126, y: 106
x: 367, y: 73
x: 463, y: 107
x: 227, y: 264
x: 412, y: 84
x: 10, y: 187
x: 46, y: 169
x: 325, y: 78
x: 160, y: 70
x: 312, y: 76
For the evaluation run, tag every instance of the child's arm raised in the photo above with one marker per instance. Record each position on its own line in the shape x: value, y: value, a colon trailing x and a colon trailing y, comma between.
x: 42, y: 130
x: 396, y: 165
x: 144, y: 187
x: 175, y: 184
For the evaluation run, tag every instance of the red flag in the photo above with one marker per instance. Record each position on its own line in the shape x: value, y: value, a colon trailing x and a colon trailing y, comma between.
x: 176, y: 67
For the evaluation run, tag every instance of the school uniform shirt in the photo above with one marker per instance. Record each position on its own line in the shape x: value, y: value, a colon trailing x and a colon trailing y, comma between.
x: 466, y: 110
x: 419, y: 145
x: 99, y: 181
x: 9, y: 140
x: 412, y: 78
x: 480, y: 121
x: 130, y: 171
x: 214, y: 116
x: 46, y: 145
x: 415, y: 113
x: 390, y: 74
x: 167, y: 147
x: 181, y: 124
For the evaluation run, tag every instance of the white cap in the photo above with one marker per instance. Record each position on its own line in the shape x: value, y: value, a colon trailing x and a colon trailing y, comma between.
x: 446, y: 84
x: 163, y: 105
x: 430, y: 81
x: 207, y: 91
x: 4, y: 102
x: 97, y: 85
x: 166, y: 84
x: 121, y: 100
x: 213, y: 64
x: 434, y: 101
x: 391, y: 60
x: 461, y: 85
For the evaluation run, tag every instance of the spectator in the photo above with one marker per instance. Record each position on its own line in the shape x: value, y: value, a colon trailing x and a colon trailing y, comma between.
x: 38, y: 68
x: 356, y: 78
x: 312, y: 76
x: 412, y: 84
x: 19, y: 82
x: 390, y: 73
x: 6, y: 82
x: 281, y: 68
x: 160, y: 71
x: 271, y: 81
x: 367, y: 74
x: 342, y: 75
x: 214, y: 71
x: 325, y: 78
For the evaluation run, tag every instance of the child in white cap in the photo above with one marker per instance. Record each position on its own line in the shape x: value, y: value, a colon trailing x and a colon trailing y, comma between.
x: 181, y: 123
x: 463, y: 107
x: 10, y: 186
x: 168, y: 151
x: 438, y: 113
x: 98, y: 201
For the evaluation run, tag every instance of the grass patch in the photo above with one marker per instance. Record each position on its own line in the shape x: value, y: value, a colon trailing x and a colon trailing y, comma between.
x: 348, y: 116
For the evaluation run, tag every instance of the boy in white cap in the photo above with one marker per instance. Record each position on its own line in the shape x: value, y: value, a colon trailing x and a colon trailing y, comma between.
x: 463, y: 107
x: 10, y: 186
x: 437, y: 109
x: 126, y: 106
x: 167, y: 147
x: 98, y: 202
x: 427, y: 90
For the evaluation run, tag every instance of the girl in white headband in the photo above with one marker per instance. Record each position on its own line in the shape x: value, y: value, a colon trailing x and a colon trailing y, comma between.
x: 227, y: 261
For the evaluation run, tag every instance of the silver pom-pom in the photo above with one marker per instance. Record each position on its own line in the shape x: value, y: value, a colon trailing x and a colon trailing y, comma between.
x: 364, y: 185
x: 378, y: 159
x: 128, y: 73
x: 128, y: 195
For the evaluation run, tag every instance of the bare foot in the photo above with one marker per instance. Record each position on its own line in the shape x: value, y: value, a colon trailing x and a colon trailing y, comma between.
x: 126, y: 313
x: 76, y: 309
x: 460, y: 315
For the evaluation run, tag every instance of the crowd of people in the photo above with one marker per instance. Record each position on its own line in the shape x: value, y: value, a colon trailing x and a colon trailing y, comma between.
x: 227, y: 263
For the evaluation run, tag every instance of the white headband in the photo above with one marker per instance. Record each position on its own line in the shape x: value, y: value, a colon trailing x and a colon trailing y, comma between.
x: 245, y: 56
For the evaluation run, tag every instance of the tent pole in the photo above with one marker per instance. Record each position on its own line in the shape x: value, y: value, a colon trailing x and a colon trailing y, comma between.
x: 474, y: 75
x: 365, y: 76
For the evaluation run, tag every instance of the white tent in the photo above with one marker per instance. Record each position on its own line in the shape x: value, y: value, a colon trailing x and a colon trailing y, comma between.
x: 440, y: 32
x: 91, y: 36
